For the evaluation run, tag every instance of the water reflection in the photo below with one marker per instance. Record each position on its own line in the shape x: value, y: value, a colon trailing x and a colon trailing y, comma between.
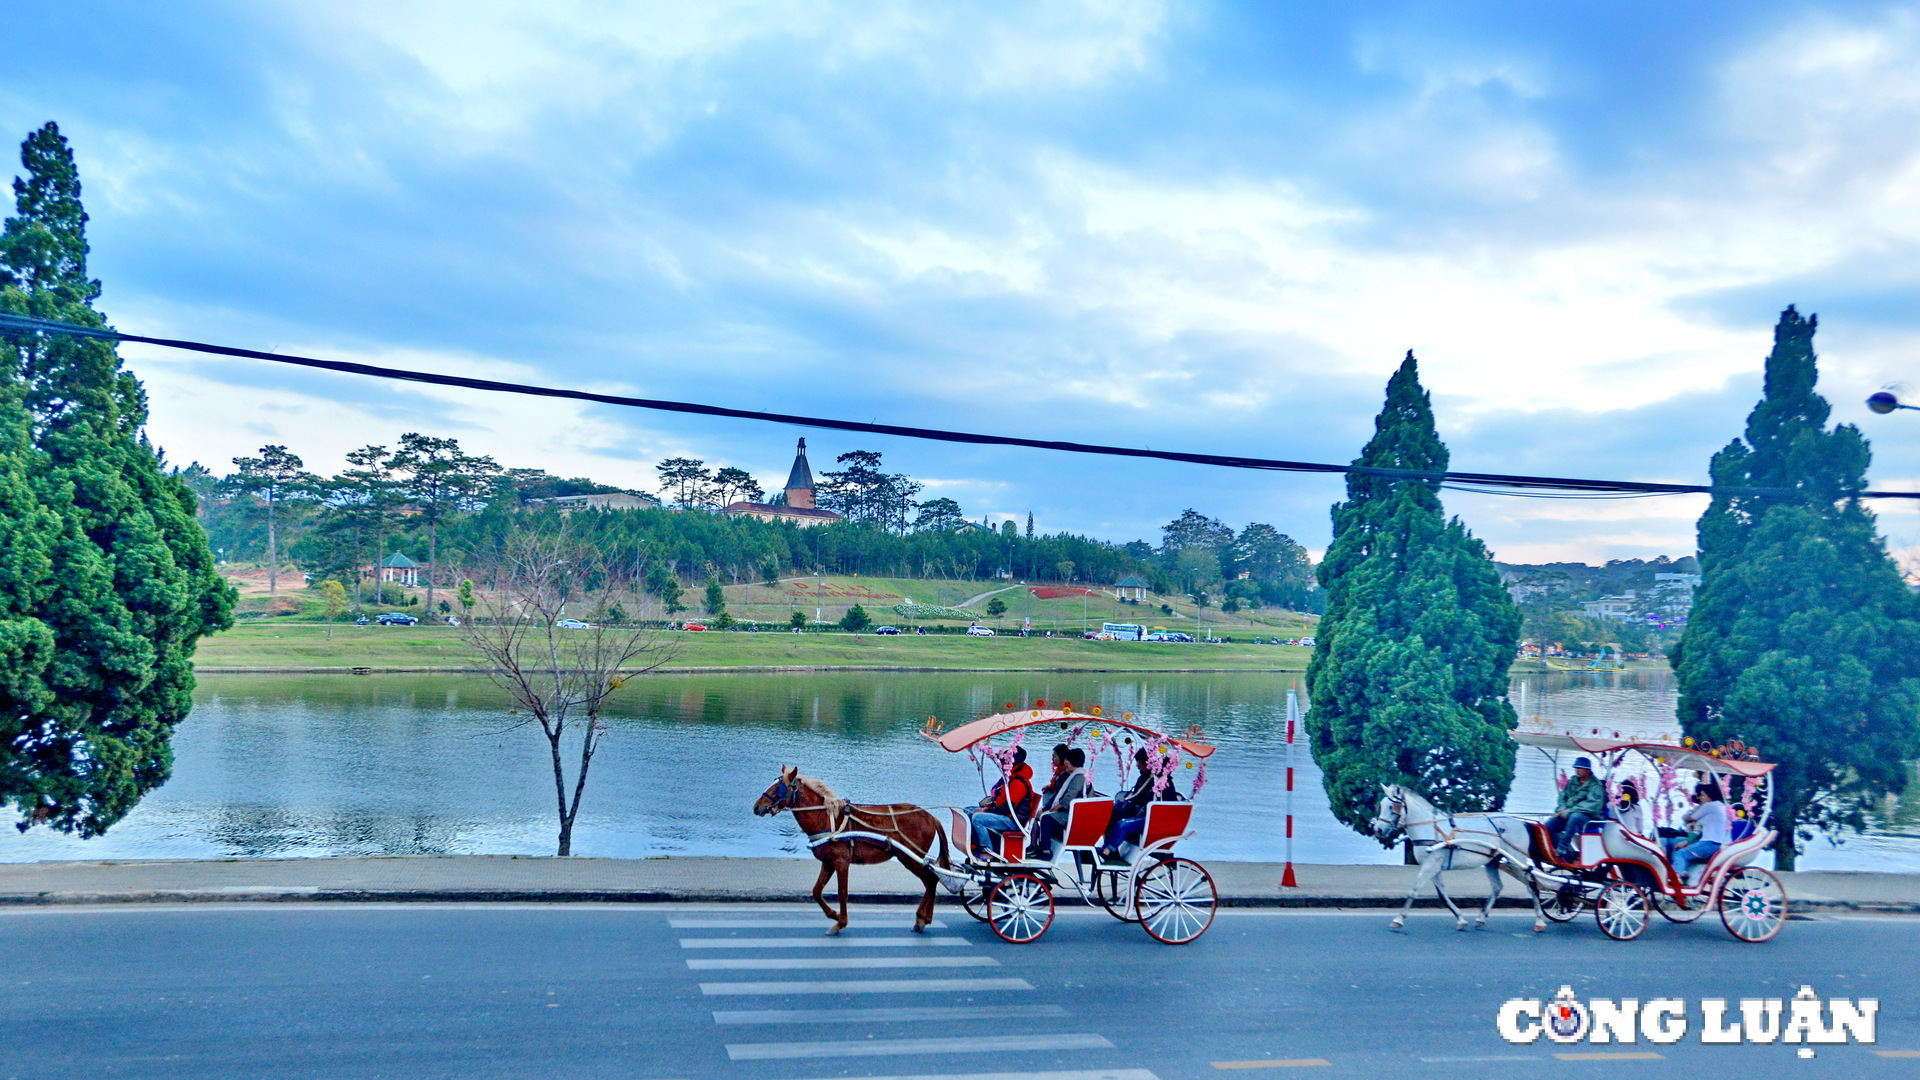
x: 294, y: 766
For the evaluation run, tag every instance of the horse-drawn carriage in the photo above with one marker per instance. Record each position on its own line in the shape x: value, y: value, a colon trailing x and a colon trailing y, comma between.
x: 1623, y: 875
x: 1172, y: 898
x: 1141, y: 881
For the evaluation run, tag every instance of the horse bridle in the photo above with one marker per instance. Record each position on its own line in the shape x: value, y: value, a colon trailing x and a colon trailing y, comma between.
x: 783, y: 796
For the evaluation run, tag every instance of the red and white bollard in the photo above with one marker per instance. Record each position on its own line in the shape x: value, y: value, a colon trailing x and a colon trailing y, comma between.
x: 1293, y: 722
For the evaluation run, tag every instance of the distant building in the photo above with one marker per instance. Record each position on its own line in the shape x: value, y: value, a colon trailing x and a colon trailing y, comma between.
x: 397, y: 567
x: 1610, y: 607
x: 798, y: 508
x: 612, y: 500
x: 1130, y: 587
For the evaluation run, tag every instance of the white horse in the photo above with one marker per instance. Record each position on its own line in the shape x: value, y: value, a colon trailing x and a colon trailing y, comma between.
x: 1496, y: 842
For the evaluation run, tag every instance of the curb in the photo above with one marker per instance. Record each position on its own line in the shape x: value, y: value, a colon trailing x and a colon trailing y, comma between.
x: 308, y: 894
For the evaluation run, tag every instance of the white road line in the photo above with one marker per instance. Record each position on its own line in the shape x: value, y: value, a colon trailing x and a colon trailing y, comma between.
x: 1487, y: 1057
x: 1071, y: 1074
x: 895, y: 1014
x: 794, y: 963
x: 824, y: 943
x: 864, y: 986
x: 966, y: 1044
x: 794, y: 924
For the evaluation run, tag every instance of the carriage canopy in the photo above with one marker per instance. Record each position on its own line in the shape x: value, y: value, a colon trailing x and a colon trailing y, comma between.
x: 1684, y: 757
x: 987, y: 727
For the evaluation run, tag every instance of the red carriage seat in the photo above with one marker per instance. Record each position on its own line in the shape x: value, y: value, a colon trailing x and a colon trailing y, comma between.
x: 1012, y: 845
x: 1165, y: 821
x: 1087, y: 821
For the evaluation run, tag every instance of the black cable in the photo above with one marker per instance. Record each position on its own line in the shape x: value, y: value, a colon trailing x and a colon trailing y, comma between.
x: 27, y: 324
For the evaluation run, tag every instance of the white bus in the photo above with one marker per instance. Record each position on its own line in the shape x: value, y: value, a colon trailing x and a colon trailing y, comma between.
x: 1124, y: 631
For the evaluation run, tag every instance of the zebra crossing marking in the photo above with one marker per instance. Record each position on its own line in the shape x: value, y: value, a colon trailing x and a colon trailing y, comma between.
x: 863, y: 986
x: 965, y: 1044
x: 884, y: 1015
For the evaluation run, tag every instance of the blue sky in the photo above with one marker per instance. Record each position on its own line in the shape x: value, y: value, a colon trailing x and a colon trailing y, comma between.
x: 1211, y: 226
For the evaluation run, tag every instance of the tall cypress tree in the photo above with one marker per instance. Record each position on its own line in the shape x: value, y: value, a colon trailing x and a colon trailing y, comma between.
x: 1409, y: 672
x: 131, y: 585
x: 1803, y: 641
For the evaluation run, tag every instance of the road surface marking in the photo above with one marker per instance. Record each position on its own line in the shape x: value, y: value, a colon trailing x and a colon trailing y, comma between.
x: 824, y: 943
x: 790, y: 963
x: 1628, y: 1055
x: 965, y: 1044
x: 1898, y: 1053
x: 864, y: 986
x: 1072, y: 1074
x: 794, y: 924
x: 898, y: 1014
x: 1058, y: 1075
x: 1276, y: 1063
x: 1486, y: 1057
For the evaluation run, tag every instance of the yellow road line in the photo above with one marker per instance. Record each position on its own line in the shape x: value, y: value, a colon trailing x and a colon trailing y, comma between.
x: 1278, y: 1063
x: 1631, y: 1055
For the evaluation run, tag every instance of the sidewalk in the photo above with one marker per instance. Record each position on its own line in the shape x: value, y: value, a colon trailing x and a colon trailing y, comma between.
x: 508, y: 878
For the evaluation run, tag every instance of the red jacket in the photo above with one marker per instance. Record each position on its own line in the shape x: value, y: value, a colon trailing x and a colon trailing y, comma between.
x: 1020, y: 786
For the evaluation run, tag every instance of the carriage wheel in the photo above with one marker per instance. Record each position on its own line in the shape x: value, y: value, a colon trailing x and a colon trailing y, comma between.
x: 1753, y: 904
x: 1020, y: 908
x: 976, y: 904
x: 1175, y: 900
x: 1110, y: 888
x: 1623, y: 910
x: 1563, y: 903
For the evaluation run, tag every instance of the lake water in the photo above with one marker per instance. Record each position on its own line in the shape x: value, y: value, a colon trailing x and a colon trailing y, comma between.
x: 276, y: 766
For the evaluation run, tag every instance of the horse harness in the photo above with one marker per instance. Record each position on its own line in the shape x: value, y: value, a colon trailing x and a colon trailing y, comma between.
x: 841, y: 817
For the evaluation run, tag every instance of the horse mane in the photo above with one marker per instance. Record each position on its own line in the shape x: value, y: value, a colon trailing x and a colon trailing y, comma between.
x: 835, y: 804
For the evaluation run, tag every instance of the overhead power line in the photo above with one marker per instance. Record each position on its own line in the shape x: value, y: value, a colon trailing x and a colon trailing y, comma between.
x: 1488, y: 483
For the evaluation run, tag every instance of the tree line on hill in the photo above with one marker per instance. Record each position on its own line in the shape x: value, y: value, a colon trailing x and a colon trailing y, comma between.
x: 425, y: 497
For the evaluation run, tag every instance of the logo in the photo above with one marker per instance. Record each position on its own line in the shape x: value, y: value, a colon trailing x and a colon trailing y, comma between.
x: 1564, y: 1018
x: 1807, y: 1020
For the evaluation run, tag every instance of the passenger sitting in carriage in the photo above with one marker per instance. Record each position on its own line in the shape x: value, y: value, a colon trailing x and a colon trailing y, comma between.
x: 1130, y: 808
x: 1069, y: 783
x: 1627, y: 809
x: 1010, y: 796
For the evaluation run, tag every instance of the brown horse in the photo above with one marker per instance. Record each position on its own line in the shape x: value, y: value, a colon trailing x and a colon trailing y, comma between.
x: 843, y: 834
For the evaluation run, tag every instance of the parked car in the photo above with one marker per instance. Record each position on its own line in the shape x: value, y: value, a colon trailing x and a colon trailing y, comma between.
x: 1177, y: 635
x: 1306, y: 643
x: 979, y: 631
x: 573, y: 624
x: 396, y: 618
x: 890, y: 631
x: 1097, y: 635
x: 693, y: 626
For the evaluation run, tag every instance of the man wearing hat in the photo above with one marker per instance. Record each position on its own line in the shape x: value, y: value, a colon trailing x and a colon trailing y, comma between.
x: 1581, y: 801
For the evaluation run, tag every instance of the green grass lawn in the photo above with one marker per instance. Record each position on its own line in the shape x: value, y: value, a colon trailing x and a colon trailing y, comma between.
x: 284, y: 645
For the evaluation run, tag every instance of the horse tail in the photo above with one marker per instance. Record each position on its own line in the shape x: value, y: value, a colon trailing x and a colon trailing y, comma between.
x: 941, y: 831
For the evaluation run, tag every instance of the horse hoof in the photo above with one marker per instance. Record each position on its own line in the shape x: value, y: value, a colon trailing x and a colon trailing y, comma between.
x: 919, y: 927
x: 1539, y: 928
x: 834, y: 930
x: 1460, y: 926
x: 1397, y: 926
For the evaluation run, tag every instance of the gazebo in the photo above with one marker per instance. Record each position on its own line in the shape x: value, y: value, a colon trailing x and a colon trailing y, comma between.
x: 397, y: 567
x: 1131, y: 587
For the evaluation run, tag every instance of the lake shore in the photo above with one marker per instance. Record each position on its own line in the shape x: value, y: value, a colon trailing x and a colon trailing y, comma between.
x: 274, y: 647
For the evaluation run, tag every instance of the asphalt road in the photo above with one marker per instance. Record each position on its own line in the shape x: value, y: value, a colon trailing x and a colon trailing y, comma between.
x: 651, y: 992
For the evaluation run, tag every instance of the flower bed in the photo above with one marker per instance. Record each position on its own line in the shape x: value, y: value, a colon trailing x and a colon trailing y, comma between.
x: 1055, y: 592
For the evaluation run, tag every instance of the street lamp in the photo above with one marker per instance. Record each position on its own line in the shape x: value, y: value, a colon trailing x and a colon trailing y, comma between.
x: 1884, y: 402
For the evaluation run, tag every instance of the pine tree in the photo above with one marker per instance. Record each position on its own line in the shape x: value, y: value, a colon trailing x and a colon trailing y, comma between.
x: 131, y: 584
x: 1803, y: 641
x: 1409, y: 672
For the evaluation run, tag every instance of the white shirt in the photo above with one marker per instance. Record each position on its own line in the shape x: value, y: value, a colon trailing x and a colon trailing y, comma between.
x: 1715, y: 819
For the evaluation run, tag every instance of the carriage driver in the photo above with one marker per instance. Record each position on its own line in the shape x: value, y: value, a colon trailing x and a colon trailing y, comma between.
x: 1582, y: 801
x: 1009, y: 796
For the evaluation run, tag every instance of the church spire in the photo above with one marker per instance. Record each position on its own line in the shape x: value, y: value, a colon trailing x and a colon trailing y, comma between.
x: 800, y: 480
